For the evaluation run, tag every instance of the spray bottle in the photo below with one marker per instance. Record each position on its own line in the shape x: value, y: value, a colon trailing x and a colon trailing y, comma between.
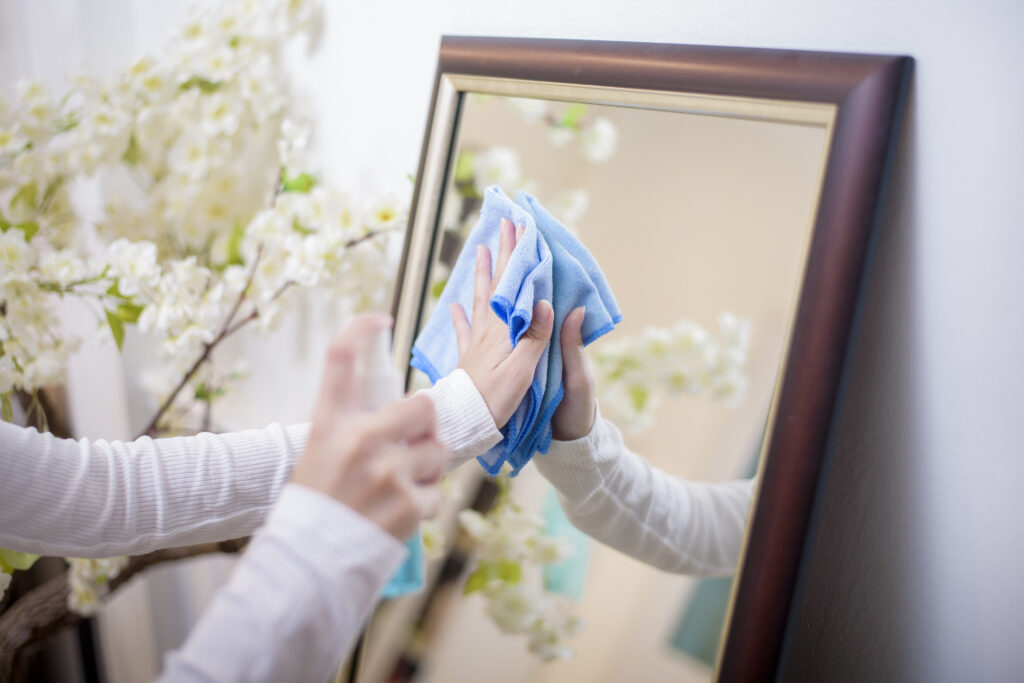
x: 381, y: 384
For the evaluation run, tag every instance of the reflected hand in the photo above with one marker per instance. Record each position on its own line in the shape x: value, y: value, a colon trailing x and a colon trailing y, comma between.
x: 385, y: 465
x: 501, y: 373
x: 574, y: 417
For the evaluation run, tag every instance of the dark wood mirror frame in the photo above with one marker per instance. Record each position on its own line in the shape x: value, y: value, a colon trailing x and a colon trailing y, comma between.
x: 868, y: 92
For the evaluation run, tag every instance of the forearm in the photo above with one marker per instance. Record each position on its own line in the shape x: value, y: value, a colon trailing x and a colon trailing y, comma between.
x: 616, y: 496
x: 100, y: 499
x: 296, y: 600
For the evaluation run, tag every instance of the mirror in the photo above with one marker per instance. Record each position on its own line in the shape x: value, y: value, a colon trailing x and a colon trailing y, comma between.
x: 729, y: 197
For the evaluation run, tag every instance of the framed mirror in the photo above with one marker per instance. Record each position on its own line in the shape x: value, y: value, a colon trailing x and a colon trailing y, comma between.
x: 724, y: 191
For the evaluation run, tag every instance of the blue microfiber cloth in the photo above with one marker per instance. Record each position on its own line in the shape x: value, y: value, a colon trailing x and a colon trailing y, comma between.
x: 547, y: 263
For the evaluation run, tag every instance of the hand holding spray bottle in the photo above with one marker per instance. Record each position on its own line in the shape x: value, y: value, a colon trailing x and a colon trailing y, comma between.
x: 381, y: 384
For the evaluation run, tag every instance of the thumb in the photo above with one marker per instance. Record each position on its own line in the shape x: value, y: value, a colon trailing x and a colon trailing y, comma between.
x: 574, y: 359
x: 532, y: 344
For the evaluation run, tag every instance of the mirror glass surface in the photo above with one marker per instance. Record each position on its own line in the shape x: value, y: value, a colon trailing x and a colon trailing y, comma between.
x: 700, y: 220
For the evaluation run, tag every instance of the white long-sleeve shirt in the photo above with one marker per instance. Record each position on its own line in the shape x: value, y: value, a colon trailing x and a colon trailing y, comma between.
x: 297, y: 598
x: 310, y: 576
x: 617, y: 497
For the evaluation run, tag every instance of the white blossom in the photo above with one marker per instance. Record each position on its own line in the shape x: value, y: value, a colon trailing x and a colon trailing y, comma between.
x: 89, y: 581
x: 7, y: 374
x: 634, y: 373
x: 569, y: 206
x: 511, y: 608
x: 434, y: 539
x: 599, y: 140
x: 386, y: 212
x: 560, y: 136
x: 62, y: 267
x: 134, y: 266
x: 16, y: 256
x: 497, y: 166
x: 530, y: 109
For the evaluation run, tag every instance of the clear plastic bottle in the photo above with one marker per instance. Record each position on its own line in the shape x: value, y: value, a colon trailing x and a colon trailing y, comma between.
x: 381, y: 384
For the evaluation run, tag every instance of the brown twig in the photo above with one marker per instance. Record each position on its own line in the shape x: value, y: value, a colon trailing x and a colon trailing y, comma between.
x: 42, y: 612
x: 150, y: 429
x: 229, y: 329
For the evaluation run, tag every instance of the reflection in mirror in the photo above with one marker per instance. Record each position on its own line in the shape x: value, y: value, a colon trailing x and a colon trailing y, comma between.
x: 701, y: 222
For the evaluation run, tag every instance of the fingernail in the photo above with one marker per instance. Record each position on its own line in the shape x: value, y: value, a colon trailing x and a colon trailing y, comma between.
x: 582, y: 312
x: 544, y: 313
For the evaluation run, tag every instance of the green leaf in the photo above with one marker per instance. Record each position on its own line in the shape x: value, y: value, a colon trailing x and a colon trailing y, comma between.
x: 572, y: 115
x: 4, y: 224
x: 51, y: 190
x: 116, y: 328
x: 129, y: 312
x: 207, y: 393
x: 205, y: 86
x: 6, y: 409
x: 438, y: 288
x: 25, y: 196
x: 114, y: 291
x: 30, y: 228
x: 479, y: 579
x: 67, y: 124
x: 133, y: 154
x: 411, y: 177
x: 299, y: 227
x: 12, y: 559
x: 464, y: 172
x: 638, y: 396
x: 510, y: 571
x: 301, y: 183
x: 235, y: 244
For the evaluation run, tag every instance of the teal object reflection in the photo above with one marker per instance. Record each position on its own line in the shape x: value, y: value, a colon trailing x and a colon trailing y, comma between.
x: 568, y: 576
x: 409, y: 577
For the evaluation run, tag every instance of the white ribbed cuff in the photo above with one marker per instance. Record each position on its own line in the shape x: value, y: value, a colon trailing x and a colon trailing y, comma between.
x: 464, y: 422
x: 575, y: 467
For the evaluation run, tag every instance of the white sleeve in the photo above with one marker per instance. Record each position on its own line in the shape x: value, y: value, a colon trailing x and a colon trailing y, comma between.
x: 617, y: 497
x: 464, y: 422
x: 296, y: 600
x: 105, y: 498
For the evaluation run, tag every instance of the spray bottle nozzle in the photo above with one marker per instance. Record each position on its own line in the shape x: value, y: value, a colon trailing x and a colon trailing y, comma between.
x: 376, y: 371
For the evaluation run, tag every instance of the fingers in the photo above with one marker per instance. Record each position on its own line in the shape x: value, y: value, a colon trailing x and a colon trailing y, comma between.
x: 532, y: 344
x: 428, y: 500
x: 463, y: 332
x: 424, y: 462
x: 482, y: 288
x: 337, y: 389
x: 409, y: 420
x: 506, y: 243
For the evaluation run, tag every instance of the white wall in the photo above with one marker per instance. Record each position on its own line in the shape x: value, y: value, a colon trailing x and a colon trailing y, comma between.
x: 915, y: 569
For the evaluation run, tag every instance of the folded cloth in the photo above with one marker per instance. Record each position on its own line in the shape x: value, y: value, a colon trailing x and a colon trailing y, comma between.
x: 547, y: 263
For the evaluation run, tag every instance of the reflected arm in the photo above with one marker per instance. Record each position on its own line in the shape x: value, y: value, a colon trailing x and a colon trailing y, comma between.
x: 618, y: 498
